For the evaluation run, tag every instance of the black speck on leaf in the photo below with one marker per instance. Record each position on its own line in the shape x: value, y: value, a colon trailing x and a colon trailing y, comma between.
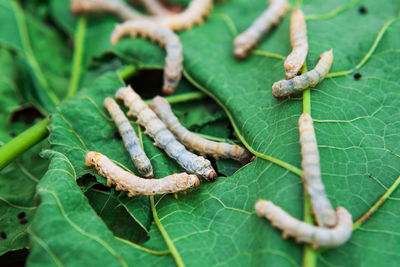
x: 357, y: 76
x: 23, y: 221
x: 21, y: 215
x: 117, y: 136
x: 3, y: 235
x: 362, y: 10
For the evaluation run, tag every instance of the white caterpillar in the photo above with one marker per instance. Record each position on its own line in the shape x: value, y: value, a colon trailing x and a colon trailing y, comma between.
x: 303, y: 232
x: 307, y: 80
x: 163, y: 138
x: 245, y: 41
x: 117, y: 7
x: 194, y: 142
x: 165, y: 37
x: 134, y: 185
x: 192, y: 15
x: 131, y: 141
x: 298, y: 39
x: 322, y: 208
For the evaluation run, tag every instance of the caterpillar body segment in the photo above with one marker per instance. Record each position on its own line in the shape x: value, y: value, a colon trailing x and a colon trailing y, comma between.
x: 131, y: 141
x: 298, y: 39
x: 162, y: 137
x: 309, y: 79
x: 194, y: 142
x: 322, y: 208
x: 117, y: 7
x: 245, y: 41
x: 303, y: 232
x: 166, y: 38
x: 135, y: 185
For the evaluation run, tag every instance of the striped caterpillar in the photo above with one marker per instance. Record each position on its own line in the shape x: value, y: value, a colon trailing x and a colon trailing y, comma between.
x: 117, y: 7
x: 303, y: 232
x: 131, y: 141
x: 165, y: 37
x: 308, y: 79
x: 245, y: 41
x: 134, y: 185
x: 163, y: 138
x: 194, y: 142
x: 323, y: 211
x: 298, y: 38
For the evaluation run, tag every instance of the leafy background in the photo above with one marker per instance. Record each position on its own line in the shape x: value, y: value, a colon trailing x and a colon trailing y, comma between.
x: 69, y: 217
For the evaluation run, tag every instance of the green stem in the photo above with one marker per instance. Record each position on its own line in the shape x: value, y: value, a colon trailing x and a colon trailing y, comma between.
x: 78, y: 56
x: 30, y: 55
x: 148, y: 250
x: 23, y: 142
x: 126, y: 72
x: 333, y: 13
x: 174, y: 252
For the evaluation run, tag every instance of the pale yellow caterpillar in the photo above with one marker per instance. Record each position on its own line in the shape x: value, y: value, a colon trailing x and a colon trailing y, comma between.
x: 162, y: 137
x: 117, y: 7
x: 322, y: 208
x: 298, y: 39
x: 134, y: 185
x: 304, y: 232
x: 193, y: 14
x: 165, y: 37
x: 245, y: 41
x: 309, y: 79
x: 131, y: 141
x: 193, y: 141
x: 155, y: 7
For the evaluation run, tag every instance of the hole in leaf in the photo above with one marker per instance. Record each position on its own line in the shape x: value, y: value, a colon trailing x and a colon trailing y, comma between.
x: 147, y: 83
x: 362, y: 10
x: 23, y: 221
x: 21, y: 215
x: 26, y: 114
x: 357, y: 76
x: 3, y: 235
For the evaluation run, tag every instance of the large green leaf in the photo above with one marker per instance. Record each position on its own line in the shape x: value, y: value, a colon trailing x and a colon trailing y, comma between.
x: 355, y: 121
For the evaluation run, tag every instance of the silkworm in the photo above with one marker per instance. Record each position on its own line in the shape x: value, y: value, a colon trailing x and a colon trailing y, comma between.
x: 135, y: 185
x: 307, y: 80
x: 245, y: 41
x: 304, y: 232
x: 193, y: 14
x: 131, y: 141
x: 298, y: 39
x: 165, y: 37
x: 193, y: 141
x: 322, y: 208
x: 162, y: 137
x: 117, y: 7
x: 155, y: 7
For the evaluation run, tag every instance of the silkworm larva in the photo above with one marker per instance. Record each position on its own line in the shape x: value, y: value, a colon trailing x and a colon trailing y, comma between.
x: 245, y: 41
x: 304, y: 232
x: 165, y: 37
x: 298, y: 38
x: 131, y: 141
x: 193, y: 14
x: 117, y: 7
x: 155, y: 7
x: 194, y: 142
x: 163, y: 138
x: 307, y: 80
x: 134, y: 185
x: 322, y: 208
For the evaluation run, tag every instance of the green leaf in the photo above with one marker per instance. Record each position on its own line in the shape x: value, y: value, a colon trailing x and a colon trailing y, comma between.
x: 355, y: 121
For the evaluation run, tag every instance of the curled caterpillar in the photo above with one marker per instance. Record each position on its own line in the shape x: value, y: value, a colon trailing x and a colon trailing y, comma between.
x: 304, y: 232
x: 245, y: 41
x: 163, y: 138
x: 155, y: 7
x: 134, y: 185
x: 194, y: 142
x: 193, y: 14
x: 308, y: 79
x: 322, y: 208
x: 117, y: 7
x: 165, y: 37
x: 298, y: 38
x: 131, y: 141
